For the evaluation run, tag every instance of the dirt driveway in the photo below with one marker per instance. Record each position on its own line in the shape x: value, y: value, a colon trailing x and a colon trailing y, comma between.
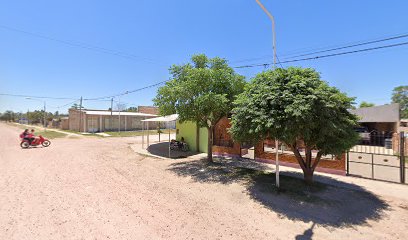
x: 95, y: 188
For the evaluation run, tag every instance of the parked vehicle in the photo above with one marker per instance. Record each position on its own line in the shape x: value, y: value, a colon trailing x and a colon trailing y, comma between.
x: 36, y: 142
x: 178, y: 145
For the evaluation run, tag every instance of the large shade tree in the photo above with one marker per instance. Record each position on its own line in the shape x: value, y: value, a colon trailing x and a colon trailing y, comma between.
x: 400, y: 95
x: 299, y: 109
x: 201, y: 91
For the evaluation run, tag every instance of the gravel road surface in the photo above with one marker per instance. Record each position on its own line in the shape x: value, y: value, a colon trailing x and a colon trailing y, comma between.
x: 98, y: 188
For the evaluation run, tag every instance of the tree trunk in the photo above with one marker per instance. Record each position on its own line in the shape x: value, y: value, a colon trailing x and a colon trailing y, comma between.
x: 306, y: 164
x: 210, y: 143
x: 308, y: 176
x: 197, y: 137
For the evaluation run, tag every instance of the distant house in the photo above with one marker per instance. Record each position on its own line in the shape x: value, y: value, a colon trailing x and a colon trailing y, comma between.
x: 384, y: 118
x: 23, y: 121
x: 64, y: 125
x: 87, y: 120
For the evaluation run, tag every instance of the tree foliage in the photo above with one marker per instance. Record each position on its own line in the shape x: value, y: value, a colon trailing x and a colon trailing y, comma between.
x: 201, y: 91
x: 400, y: 95
x: 296, y: 107
x: 33, y: 117
x: 364, y: 104
x: 132, y: 109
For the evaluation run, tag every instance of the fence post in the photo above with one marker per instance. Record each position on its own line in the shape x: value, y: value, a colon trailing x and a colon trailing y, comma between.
x: 348, y: 164
x: 372, y: 165
x: 402, y: 156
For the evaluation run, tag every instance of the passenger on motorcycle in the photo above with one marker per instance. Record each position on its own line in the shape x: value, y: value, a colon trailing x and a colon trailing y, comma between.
x: 24, y: 135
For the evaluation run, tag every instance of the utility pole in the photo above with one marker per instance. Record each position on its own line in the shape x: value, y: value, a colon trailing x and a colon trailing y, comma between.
x: 119, y: 107
x: 274, y: 67
x: 111, y: 118
x: 45, y: 116
x: 80, y: 114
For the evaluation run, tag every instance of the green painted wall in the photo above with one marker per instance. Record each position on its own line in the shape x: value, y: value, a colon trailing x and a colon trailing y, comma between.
x: 203, y: 140
x: 188, y: 131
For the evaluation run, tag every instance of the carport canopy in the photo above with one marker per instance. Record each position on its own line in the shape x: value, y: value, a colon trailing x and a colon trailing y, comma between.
x: 168, y: 118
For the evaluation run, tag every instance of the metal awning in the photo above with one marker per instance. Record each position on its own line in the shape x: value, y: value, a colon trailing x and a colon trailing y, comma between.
x: 168, y: 118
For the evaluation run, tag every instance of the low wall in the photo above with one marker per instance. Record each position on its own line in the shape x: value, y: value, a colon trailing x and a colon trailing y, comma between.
x: 234, y: 151
x: 328, y: 166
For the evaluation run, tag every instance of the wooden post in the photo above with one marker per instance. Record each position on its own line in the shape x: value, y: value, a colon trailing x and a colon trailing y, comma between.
x: 147, y: 134
x: 169, y: 140
x: 142, y: 135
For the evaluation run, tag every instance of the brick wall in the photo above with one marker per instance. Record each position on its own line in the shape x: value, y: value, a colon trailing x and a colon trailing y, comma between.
x: 396, y: 143
x: 148, y: 110
x: 221, y: 135
x: 329, y: 166
x: 64, y: 124
x: 74, y: 120
x: 223, y: 143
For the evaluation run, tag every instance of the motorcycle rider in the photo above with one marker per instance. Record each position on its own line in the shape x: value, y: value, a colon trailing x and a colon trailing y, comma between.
x: 31, y: 136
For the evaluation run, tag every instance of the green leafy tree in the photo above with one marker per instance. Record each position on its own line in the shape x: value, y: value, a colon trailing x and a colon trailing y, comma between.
x: 400, y: 95
x: 299, y: 109
x: 8, y: 116
x: 132, y: 109
x: 364, y: 104
x: 36, y: 116
x: 201, y: 91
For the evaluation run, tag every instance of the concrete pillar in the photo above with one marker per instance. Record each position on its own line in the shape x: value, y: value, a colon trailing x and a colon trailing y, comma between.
x: 85, y: 123
x: 100, y: 124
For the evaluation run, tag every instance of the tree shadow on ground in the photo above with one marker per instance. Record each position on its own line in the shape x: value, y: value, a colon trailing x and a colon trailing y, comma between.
x: 162, y: 150
x: 336, y: 204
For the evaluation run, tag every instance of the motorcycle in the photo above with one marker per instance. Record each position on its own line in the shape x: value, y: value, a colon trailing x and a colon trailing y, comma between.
x: 36, y: 142
x: 177, y: 145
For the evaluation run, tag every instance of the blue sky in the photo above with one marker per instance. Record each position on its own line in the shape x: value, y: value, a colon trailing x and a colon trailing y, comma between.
x: 161, y: 33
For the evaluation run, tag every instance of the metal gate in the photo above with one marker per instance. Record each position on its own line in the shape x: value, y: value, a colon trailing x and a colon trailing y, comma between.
x: 247, y: 150
x: 380, y: 158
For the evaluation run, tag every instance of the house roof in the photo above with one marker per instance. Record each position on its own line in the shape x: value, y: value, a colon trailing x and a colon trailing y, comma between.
x: 116, y: 113
x: 383, y: 113
x: 168, y: 118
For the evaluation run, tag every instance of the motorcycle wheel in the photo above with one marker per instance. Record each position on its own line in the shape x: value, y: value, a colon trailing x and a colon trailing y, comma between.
x: 46, y: 143
x: 24, y: 145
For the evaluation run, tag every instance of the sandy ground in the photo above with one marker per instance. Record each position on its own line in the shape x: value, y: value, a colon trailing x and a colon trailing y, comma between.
x: 97, y: 188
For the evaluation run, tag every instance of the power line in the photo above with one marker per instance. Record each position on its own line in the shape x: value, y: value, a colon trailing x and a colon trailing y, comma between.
x: 328, y: 49
x: 83, y: 45
x: 41, y: 97
x: 351, y: 46
x: 127, y: 92
x: 326, y: 56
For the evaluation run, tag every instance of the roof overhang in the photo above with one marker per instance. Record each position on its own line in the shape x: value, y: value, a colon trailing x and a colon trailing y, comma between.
x: 116, y: 113
x: 168, y: 118
x: 389, y: 113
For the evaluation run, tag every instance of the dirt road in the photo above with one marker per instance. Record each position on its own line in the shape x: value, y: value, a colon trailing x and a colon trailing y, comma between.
x: 95, y: 188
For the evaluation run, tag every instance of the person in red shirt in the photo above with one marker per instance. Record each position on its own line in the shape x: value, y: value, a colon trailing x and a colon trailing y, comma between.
x: 31, y: 136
